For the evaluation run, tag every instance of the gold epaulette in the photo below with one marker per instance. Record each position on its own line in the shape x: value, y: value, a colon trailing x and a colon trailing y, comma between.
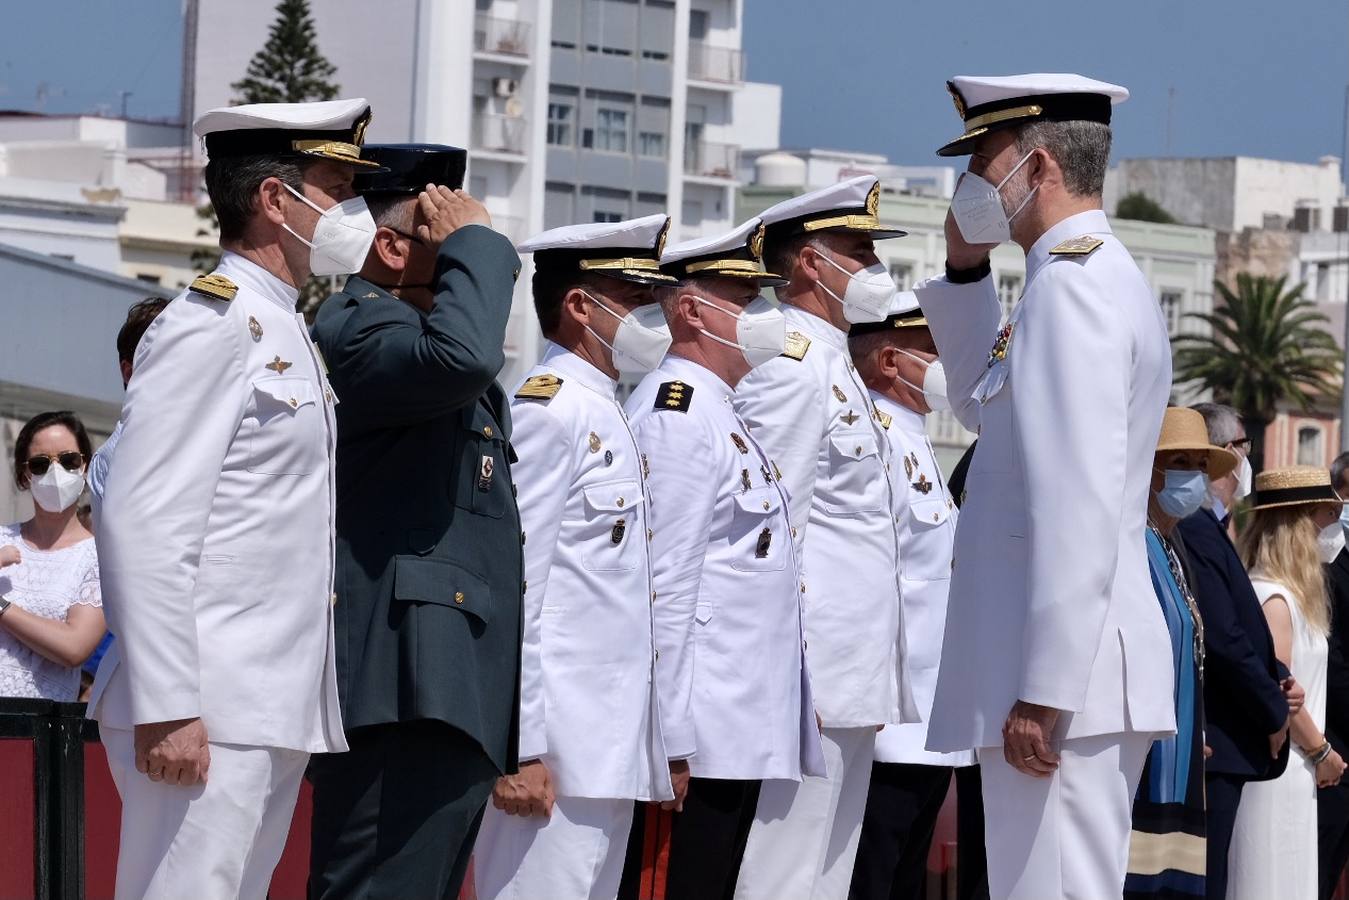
x: 217, y: 287
x: 539, y: 387
x: 674, y: 395
x: 1078, y: 246
x: 797, y: 345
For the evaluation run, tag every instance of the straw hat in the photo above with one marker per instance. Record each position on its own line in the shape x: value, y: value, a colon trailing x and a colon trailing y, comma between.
x: 1184, y: 429
x: 1293, y: 486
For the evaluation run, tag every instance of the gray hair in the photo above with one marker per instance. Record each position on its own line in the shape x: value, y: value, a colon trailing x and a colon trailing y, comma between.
x: 1338, y: 469
x: 396, y: 211
x: 1223, y: 422
x: 1082, y: 150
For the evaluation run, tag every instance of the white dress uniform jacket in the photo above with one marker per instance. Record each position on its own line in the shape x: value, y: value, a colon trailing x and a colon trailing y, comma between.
x: 588, y: 704
x: 735, y: 693
x: 927, y: 530
x: 1051, y: 593
x: 813, y: 416
x: 215, y: 534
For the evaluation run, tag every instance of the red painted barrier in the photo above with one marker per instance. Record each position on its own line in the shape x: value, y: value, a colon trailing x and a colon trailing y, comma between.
x: 18, y: 804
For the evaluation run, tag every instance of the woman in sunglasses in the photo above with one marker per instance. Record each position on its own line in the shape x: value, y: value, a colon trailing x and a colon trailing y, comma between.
x: 51, y: 615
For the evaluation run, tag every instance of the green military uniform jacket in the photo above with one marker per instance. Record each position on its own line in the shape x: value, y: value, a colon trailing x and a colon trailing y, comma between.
x: 429, y: 560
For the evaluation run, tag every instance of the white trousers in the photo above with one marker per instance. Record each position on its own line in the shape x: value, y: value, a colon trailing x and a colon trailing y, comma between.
x: 1066, y: 835
x: 215, y: 841
x: 575, y: 854
x: 803, y: 842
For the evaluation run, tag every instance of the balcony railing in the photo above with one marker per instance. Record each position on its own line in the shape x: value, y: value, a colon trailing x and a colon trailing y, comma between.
x: 499, y: 134
x: 509, y: 37
x: 707, y: 159
x: 720, y: 64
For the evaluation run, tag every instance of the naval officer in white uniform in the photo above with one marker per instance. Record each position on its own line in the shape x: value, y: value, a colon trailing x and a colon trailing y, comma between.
x: 812, y: 414
x: 1056, y: 664
x: 735, y: 695
x: 590, y: 725
x: 215, y: 534
x: 898, y: 361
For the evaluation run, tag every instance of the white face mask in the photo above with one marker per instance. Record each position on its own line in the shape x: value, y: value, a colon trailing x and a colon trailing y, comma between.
x: 760, y: 330
x: 342, y: 236
x: 642, y: 338
x: 1330, y: 542
x: 978, y: 208
x: 1244, y: 477
x: 869, y: 292
x: 934, y: 382
x: 57, y: 490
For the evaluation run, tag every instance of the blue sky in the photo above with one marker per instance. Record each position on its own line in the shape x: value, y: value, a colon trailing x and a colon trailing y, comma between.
x: 1253, y: 78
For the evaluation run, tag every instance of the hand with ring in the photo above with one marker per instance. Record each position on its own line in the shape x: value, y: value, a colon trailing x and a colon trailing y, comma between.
x: 1025, y: 739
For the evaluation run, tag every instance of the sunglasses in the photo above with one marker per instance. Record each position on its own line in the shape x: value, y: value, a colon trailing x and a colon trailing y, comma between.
x: 71, y: 461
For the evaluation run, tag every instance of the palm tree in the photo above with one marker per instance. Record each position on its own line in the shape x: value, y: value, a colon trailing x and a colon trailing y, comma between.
x: 1268, y: 345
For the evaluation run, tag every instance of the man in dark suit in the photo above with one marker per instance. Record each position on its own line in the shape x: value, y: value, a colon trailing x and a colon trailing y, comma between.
x: 1246, y: 690
x: 1332, y: 805
x: 428, y: 586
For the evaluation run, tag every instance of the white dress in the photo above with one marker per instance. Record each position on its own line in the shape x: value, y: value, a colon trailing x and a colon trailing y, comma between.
x: 46, y: 583
x: 1273, y: 852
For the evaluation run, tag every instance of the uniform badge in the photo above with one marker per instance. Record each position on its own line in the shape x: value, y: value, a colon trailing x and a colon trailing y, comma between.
x: 797, y: 345
x: 842, y: 397
x: 744, y: 479
x: 922, y: 485
x: 913, y: 457
x: 739, y: 443
x: 884, y: 418
x: 761, y: 548
x: 674, y: 395
x: 908, y: 468
x: 849, y: 417
x: 485, y: 473
x: 278, y: 365
x: 608, y: 457
x: 595, y: 443
x: 767, y: 475
x: 646, y: 467
x: 254, y: 328
x: 620, y: 527
x: 539, y: 387
x: 776, y: 471
x: 999, y: 351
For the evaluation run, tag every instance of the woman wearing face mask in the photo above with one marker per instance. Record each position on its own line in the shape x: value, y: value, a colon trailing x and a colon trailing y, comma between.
x: 51, y: 615
x: 1166, y: 857
x: 1274, y: 846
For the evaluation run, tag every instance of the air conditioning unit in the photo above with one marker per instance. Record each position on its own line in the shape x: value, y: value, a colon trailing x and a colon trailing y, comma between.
x: 505, y: 87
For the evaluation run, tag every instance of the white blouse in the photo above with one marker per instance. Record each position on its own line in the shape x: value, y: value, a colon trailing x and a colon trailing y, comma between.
x: 46, y: 583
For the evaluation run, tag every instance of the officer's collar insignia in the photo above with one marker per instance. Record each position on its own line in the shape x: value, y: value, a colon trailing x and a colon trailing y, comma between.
x: 674, y: 395
x: 217, y: 287
x: 797, y: 345
x: 539, y: 387
x: 739, y: 443
x: 278, y: 365
x: 254, y: 328
x: 1078, y: 246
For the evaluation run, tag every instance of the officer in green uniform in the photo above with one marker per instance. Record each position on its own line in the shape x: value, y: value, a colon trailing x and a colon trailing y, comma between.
x: 428, y: 588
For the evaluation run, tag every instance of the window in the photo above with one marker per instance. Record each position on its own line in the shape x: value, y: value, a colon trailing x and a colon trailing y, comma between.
x: 902, y: 275
x: 602, y: 216
x: 1009, y: 291
x: 1171, y: 302
x: 560, y: 117
x: 147, y: 278
x: 651, y: 144
x: 611, y: 130
x: 698, y: 22
x: 659, y: 55
x: 1310, y: 446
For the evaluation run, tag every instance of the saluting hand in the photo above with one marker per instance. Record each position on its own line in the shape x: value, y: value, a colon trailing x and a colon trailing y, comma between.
x: 1025, y: 739
x: 173, y: 752
x: 529, y: 792
x: 443, y: 212
x: 959, y: 254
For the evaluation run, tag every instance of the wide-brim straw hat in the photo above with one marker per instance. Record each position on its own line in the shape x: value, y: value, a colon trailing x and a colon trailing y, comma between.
x: 1184, y: 429
x: 1293, y: 486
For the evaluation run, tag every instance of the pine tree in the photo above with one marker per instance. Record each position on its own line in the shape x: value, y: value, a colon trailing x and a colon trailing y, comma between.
x: 289, y: 68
